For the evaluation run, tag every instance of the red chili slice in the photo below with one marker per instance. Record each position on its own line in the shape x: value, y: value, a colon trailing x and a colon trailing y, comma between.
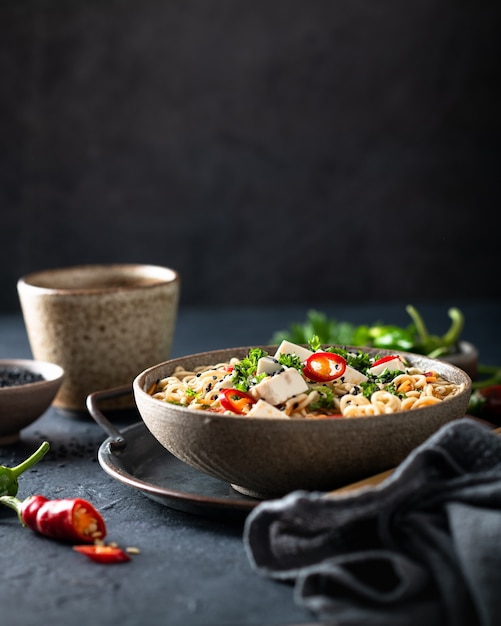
x: 103, y: 554
x: 385, y: 359
x: 323, y: 367
x: 492, y: 395
x: 235, y: 400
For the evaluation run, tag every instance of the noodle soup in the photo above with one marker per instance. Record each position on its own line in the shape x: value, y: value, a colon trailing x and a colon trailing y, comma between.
x: 298, y: 383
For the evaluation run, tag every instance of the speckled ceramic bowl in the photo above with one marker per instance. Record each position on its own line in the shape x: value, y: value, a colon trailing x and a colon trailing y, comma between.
x: 102, y: 323
x: 22, y: 404
x: 270, y: 457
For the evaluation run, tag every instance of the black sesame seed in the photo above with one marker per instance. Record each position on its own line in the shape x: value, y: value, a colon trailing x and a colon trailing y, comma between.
x: 12, y: 377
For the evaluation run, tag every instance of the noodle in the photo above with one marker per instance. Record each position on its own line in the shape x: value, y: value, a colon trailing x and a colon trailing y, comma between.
x: 201, y: 389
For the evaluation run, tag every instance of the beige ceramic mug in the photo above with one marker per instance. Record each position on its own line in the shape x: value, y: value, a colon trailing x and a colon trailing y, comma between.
x: 102, y: 323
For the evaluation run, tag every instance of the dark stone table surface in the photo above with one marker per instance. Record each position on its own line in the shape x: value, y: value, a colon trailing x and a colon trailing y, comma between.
x: 192, y: 569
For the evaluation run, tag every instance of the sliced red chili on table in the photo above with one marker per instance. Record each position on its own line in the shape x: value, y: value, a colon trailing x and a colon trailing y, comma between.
x: 68, y: 519
x: 103, y: 554
x: 322, y: 367
x: 235, y: 400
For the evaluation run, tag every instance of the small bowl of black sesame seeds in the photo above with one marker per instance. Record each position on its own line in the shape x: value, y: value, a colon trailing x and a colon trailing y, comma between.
x: 27, y: 388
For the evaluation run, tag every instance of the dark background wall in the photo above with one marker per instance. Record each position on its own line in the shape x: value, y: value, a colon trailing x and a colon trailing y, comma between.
x: 271, y: 151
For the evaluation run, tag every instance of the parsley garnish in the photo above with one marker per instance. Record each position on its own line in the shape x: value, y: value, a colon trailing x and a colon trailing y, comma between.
x: 360, y: 361
x: 387, y: 376
x: 244, y: 373
x: 314, y: 343
x: 383, y: 380
x: 326, y: 400
x: 368, y: 388
x: 290, y: 360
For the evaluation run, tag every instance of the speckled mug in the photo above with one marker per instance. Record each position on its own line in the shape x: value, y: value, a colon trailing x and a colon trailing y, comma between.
x: 102, y: 323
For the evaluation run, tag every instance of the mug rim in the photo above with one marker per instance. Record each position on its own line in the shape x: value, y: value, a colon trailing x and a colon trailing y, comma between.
x: 160, y: 275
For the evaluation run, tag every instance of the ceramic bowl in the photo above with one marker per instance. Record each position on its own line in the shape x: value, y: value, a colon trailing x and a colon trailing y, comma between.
x: 22, y: 404
x: 273, y: 456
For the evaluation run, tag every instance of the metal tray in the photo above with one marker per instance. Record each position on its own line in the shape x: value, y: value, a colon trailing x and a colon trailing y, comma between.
x: 135, y: 458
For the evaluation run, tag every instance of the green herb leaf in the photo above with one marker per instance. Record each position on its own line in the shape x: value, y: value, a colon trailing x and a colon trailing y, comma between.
x: 412, y: 338
x: 244, y: 373
x: 326, y: 400
x: 290, y: 360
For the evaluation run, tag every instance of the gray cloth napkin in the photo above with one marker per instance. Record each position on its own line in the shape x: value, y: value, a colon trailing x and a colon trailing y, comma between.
x: 422, y: 548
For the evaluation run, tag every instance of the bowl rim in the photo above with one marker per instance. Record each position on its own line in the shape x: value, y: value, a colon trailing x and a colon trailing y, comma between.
x: 138, y: 387
x: 51, y: 372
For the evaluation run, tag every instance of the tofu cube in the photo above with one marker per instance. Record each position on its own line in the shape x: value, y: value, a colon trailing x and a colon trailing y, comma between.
x: 264, y: 409
x: 225, y: 383
x: 268, y: 365
x: 287, y: 347
x: 353, y: 376
x: 279, y: 388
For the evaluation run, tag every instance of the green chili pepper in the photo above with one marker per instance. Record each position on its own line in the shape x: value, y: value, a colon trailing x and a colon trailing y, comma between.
x: 413, y: 338
x: 488, y: 375
x: 9, y: 475
x: 433, y: 345
x: 392, y: 337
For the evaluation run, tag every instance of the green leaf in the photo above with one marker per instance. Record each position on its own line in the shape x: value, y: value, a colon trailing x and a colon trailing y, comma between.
x: 245, y: 371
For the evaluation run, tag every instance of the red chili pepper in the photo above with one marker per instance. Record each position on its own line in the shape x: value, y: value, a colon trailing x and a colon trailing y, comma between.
x: 322, y: 367
x: 103, y: 554
x: 491, y: 397
x: 385, y: 359
x: 235, y: 400
x: 69, y: 519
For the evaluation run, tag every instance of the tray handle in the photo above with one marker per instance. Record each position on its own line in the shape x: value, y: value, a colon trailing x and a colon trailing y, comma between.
x: 118, y: 441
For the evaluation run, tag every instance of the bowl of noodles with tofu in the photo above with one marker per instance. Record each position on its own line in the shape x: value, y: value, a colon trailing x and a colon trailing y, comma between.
x: 272, y: 419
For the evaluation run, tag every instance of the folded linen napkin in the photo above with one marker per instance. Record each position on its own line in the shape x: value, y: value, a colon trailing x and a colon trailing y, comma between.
x: 423, y: 547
